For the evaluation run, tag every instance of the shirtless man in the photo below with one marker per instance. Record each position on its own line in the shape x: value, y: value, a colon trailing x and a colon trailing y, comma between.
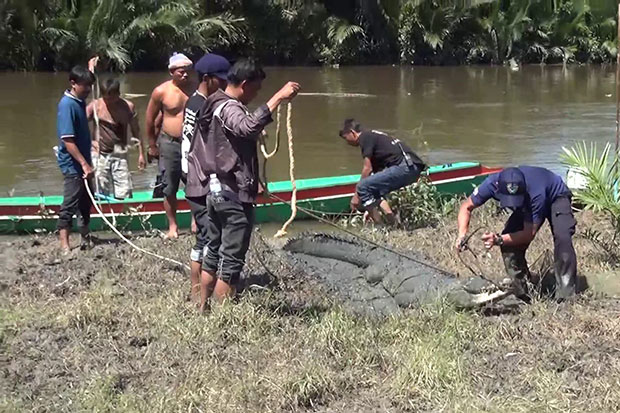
x: 116, y: 115
x: 169, y: 99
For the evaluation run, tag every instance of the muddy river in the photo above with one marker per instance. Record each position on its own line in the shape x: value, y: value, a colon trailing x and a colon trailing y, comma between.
x: 489, y: 114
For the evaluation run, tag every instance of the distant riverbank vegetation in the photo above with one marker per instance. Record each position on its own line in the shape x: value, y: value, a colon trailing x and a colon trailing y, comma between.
x: 140, y: 34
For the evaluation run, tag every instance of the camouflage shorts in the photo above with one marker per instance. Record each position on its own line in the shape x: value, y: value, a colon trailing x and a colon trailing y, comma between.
x: 113, y: 175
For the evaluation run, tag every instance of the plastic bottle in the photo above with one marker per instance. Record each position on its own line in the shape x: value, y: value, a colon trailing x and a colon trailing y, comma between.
x: 215, y: 188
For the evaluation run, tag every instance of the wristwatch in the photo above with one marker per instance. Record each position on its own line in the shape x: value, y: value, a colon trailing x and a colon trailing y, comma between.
x: 499, y: 241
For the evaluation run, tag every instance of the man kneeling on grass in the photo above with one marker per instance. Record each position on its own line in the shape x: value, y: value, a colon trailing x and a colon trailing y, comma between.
x: 232, y: 168
x: 389, y: 164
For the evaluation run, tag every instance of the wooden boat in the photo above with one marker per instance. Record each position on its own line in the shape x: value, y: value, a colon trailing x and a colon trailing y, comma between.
x: 329, y: 195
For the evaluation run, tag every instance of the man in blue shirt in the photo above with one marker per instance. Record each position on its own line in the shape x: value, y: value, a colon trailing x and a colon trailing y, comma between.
x: 534, y: 195
x: 73, y: 156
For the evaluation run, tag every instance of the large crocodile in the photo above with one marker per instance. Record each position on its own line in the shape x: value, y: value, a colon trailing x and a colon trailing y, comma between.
x: 376, y: 280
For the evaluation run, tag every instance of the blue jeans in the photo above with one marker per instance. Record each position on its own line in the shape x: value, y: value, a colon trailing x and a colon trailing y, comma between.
x: 373, y: 188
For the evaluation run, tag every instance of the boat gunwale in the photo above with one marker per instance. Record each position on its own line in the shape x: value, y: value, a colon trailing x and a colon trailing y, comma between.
x: 278, y: 187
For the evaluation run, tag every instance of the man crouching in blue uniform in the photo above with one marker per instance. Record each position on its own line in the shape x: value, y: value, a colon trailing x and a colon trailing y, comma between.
x: 533, y: 195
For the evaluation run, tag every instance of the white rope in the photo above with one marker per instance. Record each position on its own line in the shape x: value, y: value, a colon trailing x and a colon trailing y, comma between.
x: 97, y: 131
x: 97, y: 94
x: 97, y: 205
x: 291, y: 157
x: 121, y: 236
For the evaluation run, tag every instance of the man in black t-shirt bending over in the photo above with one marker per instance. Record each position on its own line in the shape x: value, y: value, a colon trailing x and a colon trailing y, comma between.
x: 389, y: 164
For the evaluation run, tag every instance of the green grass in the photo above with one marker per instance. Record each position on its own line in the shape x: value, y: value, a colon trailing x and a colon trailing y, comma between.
x: 120, y: 336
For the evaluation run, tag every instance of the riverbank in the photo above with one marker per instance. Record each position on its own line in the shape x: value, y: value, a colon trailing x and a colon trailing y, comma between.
x: 111, y: 330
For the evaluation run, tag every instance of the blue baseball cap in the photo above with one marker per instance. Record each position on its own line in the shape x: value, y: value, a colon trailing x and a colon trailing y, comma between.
x: 213, y: 65
x: 511, y: 188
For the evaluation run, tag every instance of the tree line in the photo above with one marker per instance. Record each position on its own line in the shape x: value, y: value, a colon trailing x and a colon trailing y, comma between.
x: 141, y: 34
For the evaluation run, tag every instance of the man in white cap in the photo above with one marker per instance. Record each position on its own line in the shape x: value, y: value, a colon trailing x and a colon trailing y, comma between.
x: 169, y: 99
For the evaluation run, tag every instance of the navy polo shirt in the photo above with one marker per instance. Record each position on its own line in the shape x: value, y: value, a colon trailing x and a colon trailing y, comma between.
x: 543, y: 188
x: 71, y: 122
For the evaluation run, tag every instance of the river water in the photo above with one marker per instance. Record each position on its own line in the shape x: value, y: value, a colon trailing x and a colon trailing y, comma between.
x: 489, y: 114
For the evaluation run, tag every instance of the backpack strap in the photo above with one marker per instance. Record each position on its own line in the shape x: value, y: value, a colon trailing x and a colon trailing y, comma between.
x: 217, y: 113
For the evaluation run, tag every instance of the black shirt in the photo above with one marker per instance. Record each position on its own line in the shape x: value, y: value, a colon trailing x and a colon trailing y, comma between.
x: 190, y: 116
x: 384, y: 151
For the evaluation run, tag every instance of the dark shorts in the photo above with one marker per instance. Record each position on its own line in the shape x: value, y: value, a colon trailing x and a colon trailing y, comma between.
x: 200, y: 212
x: 169, y: 164
x: 230, y: 230
x: 373, y: 188
x: 75, y: 201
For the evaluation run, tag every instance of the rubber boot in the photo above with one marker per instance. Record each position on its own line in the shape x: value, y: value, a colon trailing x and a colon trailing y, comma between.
x: 564, y: 278
x: 517, y: 270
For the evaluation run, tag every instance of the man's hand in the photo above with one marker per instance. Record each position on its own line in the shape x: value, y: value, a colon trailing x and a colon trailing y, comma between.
x: 141, y: 161
x: 355, y: 203
x: 460, y: 243
x: 92, y: 63
x: 289, y: 91
x: 153, y: 153
x: 88, y: 171
x: 490, y: 239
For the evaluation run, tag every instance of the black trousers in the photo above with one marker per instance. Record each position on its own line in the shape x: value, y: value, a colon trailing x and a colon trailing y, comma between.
x: 562, y: 222
x: 230, y: 230
x: 200, y: 212
x: 75, y: 201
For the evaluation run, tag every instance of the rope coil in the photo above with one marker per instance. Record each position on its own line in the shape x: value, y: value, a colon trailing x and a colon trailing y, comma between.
x: 291, y: 157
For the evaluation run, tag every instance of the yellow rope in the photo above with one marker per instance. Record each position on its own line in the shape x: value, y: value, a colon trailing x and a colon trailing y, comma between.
x: 263, y: 147
x: 291, y: 157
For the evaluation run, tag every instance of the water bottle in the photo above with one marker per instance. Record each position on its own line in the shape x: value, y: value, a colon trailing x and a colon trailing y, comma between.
x: 215, y: 188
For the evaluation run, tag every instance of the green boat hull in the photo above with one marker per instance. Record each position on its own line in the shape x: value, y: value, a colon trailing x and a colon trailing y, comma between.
x: 129, y: 218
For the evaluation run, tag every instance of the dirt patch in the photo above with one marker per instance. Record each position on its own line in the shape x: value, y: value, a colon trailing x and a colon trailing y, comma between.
x: 111, y: 330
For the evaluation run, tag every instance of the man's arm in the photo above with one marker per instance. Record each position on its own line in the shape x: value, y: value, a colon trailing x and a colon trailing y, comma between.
x: 135, y: 132
x: 288, y: 91
x: 514, y: 239
x: 245, y: 125
x: 90, y: 110
x: 366, y: 168
x: 90, y: 115
x: 153, y: 109
x: 366, y: 171
x: 75, y: 153
x: 463, y: 220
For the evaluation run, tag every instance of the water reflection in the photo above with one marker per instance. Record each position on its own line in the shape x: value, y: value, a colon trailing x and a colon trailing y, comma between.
x: 491, y: 114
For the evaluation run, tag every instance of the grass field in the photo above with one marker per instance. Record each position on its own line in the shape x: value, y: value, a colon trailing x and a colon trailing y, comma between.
x: 111, y: 330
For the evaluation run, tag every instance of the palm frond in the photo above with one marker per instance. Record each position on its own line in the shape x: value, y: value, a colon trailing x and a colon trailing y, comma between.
x: 340, y: 30
x: 601, y: 172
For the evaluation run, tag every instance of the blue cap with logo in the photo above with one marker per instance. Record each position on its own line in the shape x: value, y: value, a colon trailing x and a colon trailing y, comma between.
x: 213, y: 65
x: 511, y: 188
